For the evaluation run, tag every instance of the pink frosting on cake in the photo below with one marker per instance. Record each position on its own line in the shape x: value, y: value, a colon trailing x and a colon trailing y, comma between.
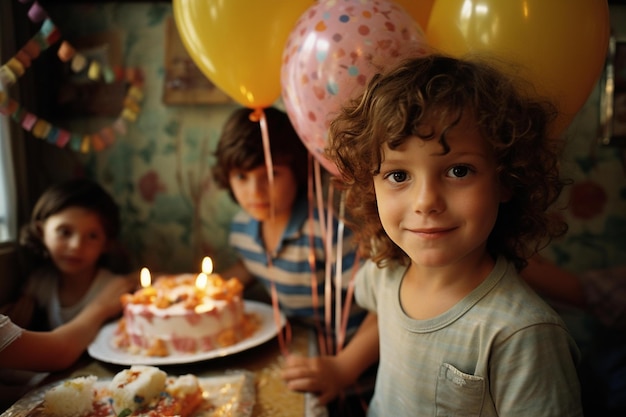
x: 174, y: 316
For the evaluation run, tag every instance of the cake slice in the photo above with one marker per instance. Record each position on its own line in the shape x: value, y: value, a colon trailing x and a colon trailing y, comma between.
x: 71, y: 398
x: 134, y: 388
x: 147, y: 391
x: 183, y: 395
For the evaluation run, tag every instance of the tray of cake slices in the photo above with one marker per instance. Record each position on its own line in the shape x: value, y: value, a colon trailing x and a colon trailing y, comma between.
x: 141, y: 391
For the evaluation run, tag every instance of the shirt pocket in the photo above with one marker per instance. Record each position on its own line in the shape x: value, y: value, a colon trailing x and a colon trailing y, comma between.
x: 458, y: 394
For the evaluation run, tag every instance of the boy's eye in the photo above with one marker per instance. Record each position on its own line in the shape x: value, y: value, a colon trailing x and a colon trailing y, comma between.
x: 397, y: 176
x: 64, y: 232
x: 458, y: 171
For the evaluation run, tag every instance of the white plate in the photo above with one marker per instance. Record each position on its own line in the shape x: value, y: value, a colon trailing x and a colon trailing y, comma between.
x: 102, y: 347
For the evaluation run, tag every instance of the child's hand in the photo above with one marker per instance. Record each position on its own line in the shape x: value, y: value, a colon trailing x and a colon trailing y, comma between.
x: 319, y: 375
x: 108, y: 300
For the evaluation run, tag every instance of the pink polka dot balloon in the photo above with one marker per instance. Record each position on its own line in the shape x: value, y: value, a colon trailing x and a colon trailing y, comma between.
x: 331, y: 54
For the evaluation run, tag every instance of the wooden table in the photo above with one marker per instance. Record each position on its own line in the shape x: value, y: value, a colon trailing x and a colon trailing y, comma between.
x: 273, y: 399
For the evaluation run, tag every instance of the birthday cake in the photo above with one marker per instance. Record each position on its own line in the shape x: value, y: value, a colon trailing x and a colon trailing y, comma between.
x: 184, y: 314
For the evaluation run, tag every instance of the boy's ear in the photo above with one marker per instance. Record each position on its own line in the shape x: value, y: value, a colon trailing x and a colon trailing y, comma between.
x: 39, y: 228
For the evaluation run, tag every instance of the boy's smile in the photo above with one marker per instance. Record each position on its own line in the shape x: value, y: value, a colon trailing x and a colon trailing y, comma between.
x: 439, y: 208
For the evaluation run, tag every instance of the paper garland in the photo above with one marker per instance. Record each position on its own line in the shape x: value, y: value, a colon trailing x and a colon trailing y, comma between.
x: 47, y: 35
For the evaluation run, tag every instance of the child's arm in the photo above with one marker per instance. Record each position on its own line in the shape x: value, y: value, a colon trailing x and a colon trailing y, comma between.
x: 327, y: 376
x: 59, y: 348
x: 554, y: 282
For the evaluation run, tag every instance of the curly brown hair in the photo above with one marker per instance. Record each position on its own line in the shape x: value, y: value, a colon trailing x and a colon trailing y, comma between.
x: 240, y: 146
x: 405, y: 101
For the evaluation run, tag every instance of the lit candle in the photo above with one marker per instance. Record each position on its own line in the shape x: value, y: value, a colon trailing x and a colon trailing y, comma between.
x: 207, y: 265
x: 201, y: 281
x: 203, y: 277
x: 145, y: 278
x: 147, y: 292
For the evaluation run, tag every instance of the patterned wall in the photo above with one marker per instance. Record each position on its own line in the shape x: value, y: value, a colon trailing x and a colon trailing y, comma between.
x: 173, y: 214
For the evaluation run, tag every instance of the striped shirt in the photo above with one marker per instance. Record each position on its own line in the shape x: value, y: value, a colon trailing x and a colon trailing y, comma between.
x: 290, y: 268
x: 500, y: 351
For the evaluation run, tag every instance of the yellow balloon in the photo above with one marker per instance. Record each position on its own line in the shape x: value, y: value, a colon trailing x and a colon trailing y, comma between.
x: 418, y: 10
x: 558, y: 45
x: 238, y: 44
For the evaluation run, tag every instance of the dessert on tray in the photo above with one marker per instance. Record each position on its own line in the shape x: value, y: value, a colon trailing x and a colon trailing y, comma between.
x: 75, y: 397
x: 142, y: 391
x: 138, y: 391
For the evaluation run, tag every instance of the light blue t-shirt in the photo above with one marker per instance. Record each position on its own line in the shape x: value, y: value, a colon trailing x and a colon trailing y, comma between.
x: 501, y: 351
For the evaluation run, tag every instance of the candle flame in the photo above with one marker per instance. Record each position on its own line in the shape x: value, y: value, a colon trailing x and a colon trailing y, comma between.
x: 207, y: 265
x: 144, y: 276
x: 201, y: 281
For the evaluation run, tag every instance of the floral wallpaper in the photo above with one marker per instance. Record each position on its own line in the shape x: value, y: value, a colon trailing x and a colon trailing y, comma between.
x: 173, y: 214
x: 596, y: 201
x: 159, y: 172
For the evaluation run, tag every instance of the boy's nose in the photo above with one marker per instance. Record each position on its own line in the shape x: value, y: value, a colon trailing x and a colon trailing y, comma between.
x: 427, y: 197
x: 75, y: 241
x: 259, y: 186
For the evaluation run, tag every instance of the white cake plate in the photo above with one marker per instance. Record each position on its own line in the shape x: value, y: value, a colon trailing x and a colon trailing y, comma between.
x: 102, y: 347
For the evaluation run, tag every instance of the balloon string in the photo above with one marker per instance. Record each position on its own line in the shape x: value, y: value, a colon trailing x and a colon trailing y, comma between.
x: 284, y: 337
x: 344, y: 314
x: 312, y: 264
x: 338, y: 282
x: 327, y: 344
x: 348, y: 302
x: 320, y: 197
x: 349, y: 290
x: 259, y: 115
x: 328, y: 275
x: 324, y: 339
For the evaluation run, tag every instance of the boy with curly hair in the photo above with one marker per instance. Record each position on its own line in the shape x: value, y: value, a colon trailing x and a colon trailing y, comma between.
x: 450, y: 172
